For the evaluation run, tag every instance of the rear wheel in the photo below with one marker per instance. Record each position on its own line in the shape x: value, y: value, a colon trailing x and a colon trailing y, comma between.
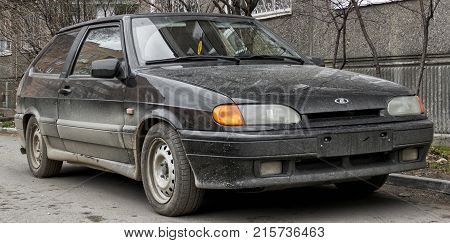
x: 363, y: 186
x: 166, y: 174
x: 40, y: 165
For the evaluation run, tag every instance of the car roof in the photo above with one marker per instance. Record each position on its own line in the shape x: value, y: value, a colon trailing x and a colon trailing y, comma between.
x: 121, y: 17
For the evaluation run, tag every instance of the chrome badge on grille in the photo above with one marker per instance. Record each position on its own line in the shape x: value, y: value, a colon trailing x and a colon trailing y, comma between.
x: 341, y: 101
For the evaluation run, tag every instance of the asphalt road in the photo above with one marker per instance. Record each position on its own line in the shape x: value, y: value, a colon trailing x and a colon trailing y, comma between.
x: 81, y: 194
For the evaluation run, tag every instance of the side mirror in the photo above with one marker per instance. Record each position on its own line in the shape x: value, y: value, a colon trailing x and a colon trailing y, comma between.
x: 318, y: 61
x: 106, y: 68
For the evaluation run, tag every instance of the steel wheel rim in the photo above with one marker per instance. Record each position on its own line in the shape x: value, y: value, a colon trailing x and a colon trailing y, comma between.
x: 161, y: 171
x: 36, y: 148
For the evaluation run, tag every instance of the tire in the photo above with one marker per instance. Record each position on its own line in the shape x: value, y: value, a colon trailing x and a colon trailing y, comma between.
x: 40, y: 165
x: 363, y: 186
x: 166, y: 174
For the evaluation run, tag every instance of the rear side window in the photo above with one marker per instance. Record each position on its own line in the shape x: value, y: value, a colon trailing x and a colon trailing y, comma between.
x: 53, y: 59
x: 101, y: 43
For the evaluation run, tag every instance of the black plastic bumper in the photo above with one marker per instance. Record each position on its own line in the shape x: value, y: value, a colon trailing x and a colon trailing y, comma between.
x: 231, y: 160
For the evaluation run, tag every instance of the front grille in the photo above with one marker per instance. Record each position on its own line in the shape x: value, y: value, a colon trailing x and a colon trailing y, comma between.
x: 343, y: 115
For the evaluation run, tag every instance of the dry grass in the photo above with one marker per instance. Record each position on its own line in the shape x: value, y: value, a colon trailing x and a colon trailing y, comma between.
x: 7, y: 124
x: 438, y: 164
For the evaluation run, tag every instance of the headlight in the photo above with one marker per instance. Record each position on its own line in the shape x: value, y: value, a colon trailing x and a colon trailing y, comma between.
x: 268, y: 114
x: 254, y: 114
x: 405, y: 105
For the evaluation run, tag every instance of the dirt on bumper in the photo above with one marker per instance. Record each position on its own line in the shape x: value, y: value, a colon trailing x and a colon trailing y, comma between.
x: 224, y: 160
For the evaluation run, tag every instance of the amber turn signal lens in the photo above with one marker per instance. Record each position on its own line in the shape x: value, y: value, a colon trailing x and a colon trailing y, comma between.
x: 422, y: 107
x: 228, y: 115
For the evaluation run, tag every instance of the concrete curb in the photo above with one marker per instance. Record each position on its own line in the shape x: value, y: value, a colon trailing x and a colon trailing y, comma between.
x: 441, y: 140
x: 8, y: 130
x: 442, y: 186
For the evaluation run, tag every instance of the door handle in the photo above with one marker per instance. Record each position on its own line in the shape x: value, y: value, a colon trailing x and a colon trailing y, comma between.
x: 65, y: 91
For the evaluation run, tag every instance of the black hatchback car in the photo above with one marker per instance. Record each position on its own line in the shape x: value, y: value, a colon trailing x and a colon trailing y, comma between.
x: 188, y: 102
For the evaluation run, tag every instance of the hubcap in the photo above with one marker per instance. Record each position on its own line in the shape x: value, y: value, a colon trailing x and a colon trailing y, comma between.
x: 161, y: 171
x: 36, y: 149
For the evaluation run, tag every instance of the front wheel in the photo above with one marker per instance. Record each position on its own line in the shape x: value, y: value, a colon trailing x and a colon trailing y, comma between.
x: 40, y: 165
x: 363, y: 186
x: 166, y: 174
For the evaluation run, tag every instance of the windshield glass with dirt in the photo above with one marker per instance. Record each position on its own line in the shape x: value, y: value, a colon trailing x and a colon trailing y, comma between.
x: 173, y: 37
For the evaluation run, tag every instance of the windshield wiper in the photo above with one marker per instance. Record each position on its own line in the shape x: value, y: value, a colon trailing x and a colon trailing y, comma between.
x: 269, y: 57
x: 193, y: 58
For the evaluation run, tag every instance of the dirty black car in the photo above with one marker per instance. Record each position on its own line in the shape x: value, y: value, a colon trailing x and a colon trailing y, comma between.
x: 189, y: 102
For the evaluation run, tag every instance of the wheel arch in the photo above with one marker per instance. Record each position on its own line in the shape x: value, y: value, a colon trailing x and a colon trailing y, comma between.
x: 141, y: 132
x: 26, y: 118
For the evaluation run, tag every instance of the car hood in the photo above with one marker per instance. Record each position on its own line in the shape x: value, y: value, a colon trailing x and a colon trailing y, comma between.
x: 307, y: 88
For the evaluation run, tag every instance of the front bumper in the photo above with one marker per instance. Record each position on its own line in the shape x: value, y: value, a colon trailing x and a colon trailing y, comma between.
x: 231, y: 160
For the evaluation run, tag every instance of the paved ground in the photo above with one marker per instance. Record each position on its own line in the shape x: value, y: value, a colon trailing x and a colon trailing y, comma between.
x: 85, y: 195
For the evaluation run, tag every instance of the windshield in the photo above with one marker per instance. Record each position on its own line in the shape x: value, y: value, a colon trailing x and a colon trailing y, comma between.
x: 160, y: 38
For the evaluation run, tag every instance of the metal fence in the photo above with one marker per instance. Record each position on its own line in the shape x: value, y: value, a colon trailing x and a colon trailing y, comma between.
x: 8, y: 89
x: 435, y: 91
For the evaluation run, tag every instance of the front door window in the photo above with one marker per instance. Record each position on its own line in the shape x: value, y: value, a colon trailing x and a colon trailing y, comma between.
x: 100, y: 43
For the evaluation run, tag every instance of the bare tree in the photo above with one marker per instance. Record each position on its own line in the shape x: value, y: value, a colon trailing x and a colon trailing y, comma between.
x: 29, y: 24
x: 151, y: 3
x: 19, y: 27
x: 330, y: 12
x: 236, y: 7
x: 376, y: 62
x: 106, y: 6
x: 339, y: 11
x: 427, y: 11
x: 164, y: 6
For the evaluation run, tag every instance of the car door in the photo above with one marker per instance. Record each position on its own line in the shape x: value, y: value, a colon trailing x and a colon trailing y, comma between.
x: 91, y: 113
x: 39, y: 92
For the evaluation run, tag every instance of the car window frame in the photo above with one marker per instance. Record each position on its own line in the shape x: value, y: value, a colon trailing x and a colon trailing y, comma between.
x: 259, y: 24
x: 63, y: 72
x: 85, y: 34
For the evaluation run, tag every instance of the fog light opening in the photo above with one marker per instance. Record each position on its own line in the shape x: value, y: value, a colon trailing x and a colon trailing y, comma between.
x: 410, y: 154
x: 271, y: 168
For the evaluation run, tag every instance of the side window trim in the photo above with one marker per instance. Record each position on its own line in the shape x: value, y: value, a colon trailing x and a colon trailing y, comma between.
x: 44, y: 51
x: 73, y: 52
x: 83, y: 39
